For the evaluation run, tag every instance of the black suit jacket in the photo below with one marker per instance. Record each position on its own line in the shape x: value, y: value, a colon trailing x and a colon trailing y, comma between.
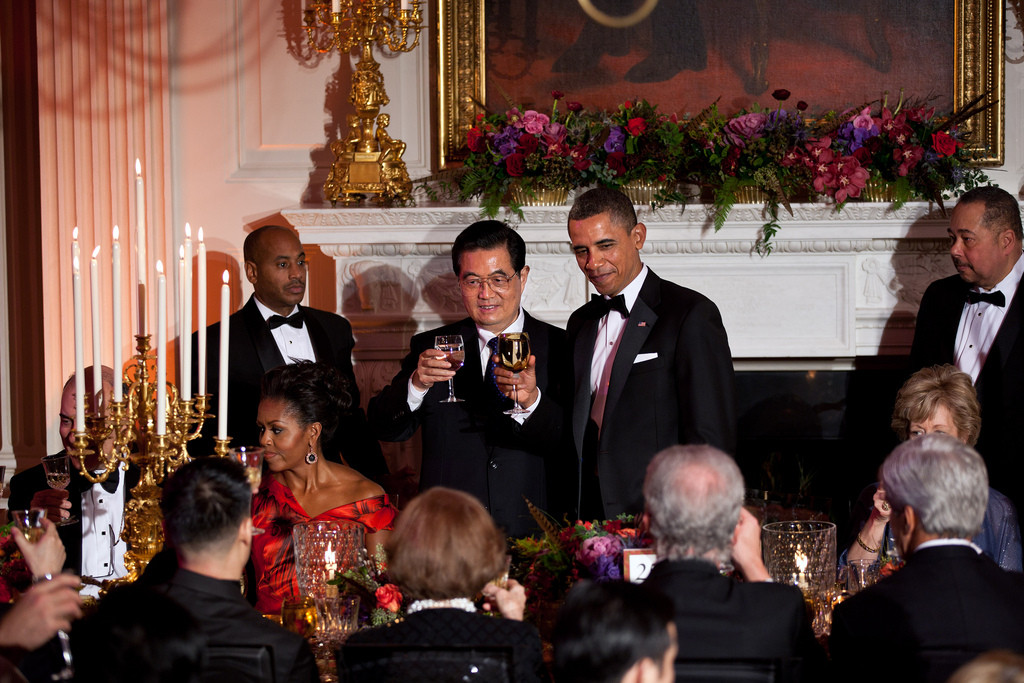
x: 225, y: 618
x: 1000, y: 384
x: 944, y: 597
x: 472, y: 446
x: 684, y: 394
x: 719, y: 618
x: 25, y: 484
x: 456, y: 627
x: 253, y: 351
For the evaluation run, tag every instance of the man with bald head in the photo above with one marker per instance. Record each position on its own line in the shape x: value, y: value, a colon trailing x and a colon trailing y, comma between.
x: 273, y: 329
x: 974, y: 319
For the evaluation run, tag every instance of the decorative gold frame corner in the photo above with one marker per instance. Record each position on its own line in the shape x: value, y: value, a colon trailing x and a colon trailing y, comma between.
x: 978, y: 39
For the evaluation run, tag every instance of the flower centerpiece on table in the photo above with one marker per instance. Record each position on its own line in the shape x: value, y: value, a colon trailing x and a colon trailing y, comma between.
x: 371, y: 583
x: 642, y: 146
x: 15, y: 577
x: 532, y: 150
x: 549, y: 565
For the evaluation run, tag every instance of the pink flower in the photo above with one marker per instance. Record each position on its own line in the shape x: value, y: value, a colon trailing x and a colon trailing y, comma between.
x: 597, y: 547
x: 515, y: 117
x: 863, y: 119
x: 534, y: 122
x: 554, y: 133
x: 746, y: 127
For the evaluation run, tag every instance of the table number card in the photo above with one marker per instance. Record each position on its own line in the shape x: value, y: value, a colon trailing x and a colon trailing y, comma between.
x: 637, y: 563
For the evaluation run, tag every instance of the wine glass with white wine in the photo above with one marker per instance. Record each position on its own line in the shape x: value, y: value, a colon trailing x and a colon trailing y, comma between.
x: 29, y: 523
x: 455, y: 353
x: 514, y: 355
x: 58, y: 476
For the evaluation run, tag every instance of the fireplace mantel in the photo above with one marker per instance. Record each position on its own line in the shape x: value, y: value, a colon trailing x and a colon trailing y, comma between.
x: 838, y: 284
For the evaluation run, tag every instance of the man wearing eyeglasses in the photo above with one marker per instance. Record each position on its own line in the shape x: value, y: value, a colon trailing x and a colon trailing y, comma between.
x: 472, y: 445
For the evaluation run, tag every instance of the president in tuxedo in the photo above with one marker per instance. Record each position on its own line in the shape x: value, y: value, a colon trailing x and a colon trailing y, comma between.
x: 694, y: 498
x: 950, y: 601
x: 472, y: 445
x: 973, y: 320
x: 650, y: 360
x: 273, y: 329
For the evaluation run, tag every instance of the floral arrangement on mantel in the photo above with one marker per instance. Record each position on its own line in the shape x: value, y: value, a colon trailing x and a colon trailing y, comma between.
x: 761, y: 154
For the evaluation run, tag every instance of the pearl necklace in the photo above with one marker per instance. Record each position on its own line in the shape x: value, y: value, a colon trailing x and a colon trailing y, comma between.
x: 455, y: 603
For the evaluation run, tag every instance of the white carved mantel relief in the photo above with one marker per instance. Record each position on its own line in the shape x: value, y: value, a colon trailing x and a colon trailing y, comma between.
x: 837, y: 286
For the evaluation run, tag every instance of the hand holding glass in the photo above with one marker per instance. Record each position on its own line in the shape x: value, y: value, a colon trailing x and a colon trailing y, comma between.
x: 455, y: 353
x: 29, y: 523
x: 514, y: 355
x: 58, y: 476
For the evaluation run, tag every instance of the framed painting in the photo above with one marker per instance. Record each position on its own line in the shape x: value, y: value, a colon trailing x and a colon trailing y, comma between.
x: 685, y: 54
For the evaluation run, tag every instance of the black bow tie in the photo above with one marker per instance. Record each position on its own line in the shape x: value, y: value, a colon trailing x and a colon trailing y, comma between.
x: 603, y: 306
x: 295, y: 320
x: 995, y: 298
x: 110, y: 485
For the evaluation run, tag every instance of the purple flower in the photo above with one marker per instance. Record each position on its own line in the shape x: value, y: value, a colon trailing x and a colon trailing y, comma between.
x: 616, y: 141
x: 506, y: 141
x: 554, y: 133
x: 746, y: 127
x: 596, y: 547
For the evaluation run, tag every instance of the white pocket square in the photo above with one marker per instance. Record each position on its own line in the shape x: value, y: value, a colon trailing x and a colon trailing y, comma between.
x: 644, y: 357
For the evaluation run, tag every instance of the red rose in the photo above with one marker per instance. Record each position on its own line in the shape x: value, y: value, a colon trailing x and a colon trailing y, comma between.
x: 515, y: 164
x: 801, y: 105
x: 944, y: 144
x: 574, y: 106
x: 528, y: 144
x: 863, y: 155
x: 389, y: 597
x: 557, y: 94
x: 636, y: 126
x: 615, y: 162
x: 781, y: 94
x: 627, y: 105
x: 476, y: 140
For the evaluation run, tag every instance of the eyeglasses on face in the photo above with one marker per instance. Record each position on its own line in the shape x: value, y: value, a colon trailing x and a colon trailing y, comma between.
x: 498, y: 283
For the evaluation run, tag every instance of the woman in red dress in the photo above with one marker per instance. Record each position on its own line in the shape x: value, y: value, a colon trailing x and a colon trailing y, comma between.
x: 298, y: 411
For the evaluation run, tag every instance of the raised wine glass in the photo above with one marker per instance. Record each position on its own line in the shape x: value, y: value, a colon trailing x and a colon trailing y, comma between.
x: 58, y: 476
x: 29, y: 523
x: 514, y: 355
x: 454, y: 353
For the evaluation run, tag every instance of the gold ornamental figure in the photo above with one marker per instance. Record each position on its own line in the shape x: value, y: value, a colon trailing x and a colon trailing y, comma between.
x: 368, y: 161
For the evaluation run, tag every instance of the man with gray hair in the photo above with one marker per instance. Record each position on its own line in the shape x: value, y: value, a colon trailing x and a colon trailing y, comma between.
x: 950, y: 601
x: 694, y: 499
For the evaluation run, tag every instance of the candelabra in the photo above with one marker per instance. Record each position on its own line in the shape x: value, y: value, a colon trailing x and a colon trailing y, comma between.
x: 129, y: 426
x: 366, y: 162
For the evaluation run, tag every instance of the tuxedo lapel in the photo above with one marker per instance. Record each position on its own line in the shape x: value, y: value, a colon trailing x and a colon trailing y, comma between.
x: 1009, y: 330
x: 638, y: 327
x: 949, y: 323
x: 583, y: 354
x: 263, y: 342
x: 317, y: 337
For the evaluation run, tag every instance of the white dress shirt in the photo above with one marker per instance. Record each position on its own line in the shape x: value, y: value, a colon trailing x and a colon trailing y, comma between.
x: 980, y: 322
x: 102, y: 547
x: 609, y: 334
x: 293, y: 342
x: 415, y: 396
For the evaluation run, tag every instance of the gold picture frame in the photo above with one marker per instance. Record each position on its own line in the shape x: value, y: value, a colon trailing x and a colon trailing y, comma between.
x: 461, y: 77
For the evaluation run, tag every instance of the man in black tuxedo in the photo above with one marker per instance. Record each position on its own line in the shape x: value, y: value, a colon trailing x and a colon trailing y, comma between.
x: 949, y: 596
x: 206, y: 507
x: 93, y: 542
x: 694, y: 497
x: 650, y: 360
x: 973, y: 321
x: 273, y: 329
x: 472, y: 445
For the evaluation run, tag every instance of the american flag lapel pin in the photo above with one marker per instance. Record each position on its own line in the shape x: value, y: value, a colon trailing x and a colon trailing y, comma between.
x: 642, y: 323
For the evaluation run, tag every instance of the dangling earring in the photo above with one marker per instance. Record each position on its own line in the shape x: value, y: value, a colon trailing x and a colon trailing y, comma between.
x: 311, y: 456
